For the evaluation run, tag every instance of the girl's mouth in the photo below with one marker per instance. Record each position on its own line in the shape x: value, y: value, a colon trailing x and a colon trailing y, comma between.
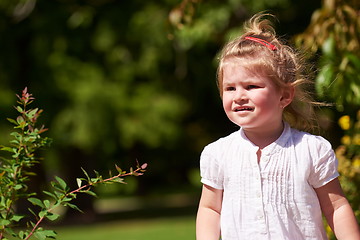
x: 239, y: 109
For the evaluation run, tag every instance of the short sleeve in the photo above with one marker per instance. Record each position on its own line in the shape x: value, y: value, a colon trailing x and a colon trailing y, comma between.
x: 210, y: 169
x: 325, y: 163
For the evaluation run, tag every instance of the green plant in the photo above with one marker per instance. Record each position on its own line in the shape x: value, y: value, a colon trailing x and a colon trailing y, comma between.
x: 15, y: 172
x: 348, y: 154
x: 334, y: 32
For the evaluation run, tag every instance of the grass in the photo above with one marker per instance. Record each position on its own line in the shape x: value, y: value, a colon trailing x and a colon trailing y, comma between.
x: 174, y: 228
x: 170, y: 217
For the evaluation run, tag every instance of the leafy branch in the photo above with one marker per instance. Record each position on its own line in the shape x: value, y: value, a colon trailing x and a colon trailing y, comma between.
x: 15, y: 171
x: 62, y: 196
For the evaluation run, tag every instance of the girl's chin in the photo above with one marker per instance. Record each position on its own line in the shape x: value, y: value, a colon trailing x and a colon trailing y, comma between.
x: 244, y: 125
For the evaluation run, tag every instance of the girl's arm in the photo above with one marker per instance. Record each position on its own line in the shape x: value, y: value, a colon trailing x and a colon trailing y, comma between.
x: 337, y: 211
x: 208, y: 216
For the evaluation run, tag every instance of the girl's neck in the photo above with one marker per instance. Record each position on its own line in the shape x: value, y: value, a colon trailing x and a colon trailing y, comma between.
x: 264, y: 138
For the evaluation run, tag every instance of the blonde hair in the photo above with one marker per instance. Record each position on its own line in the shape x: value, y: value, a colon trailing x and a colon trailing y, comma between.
x: 281, y: 64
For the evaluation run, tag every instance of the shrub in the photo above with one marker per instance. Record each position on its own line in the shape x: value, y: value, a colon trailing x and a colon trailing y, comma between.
x: 15, y: 172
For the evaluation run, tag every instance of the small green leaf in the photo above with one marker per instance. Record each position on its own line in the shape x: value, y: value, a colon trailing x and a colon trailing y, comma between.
x: 32, y: 211
x: 97, y: 174
x: 16, y: 218
x: 90, y: 193
x: 12, y: 121
x: 16, y: 135
x: 43, y: 234
x: 47, y: 203
x: 15, y: 142
x: 22, y: 234
x: 20, y: 120
x: 4, y: 222
x: 67, y: 199
x: 32, y: 113
x: 50, y: 194
x: 94, y: 180
x: 40, y: 235
x: 52, y: 216
x: 86, y: 174
x: 118, y: 168
x: 73, y: 206
x: 18, y: 187
x: 20, y: 110
x: 36, y: 202
x: 62, y: 183
x: 58, y: 194
x: 31, y: 223
x: 8, y: 149
x: 58, y: 190
x: 43, y: 213
x: 118, y: 180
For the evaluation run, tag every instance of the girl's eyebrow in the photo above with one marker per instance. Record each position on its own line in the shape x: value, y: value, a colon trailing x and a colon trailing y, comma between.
x: 251, y: 80
x: 227, y: 82
x: 242, y: 81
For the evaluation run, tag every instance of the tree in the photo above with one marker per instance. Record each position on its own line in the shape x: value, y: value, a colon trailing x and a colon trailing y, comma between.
x: 334, y: 33
x: 126, y: 79
x: 337, y: 29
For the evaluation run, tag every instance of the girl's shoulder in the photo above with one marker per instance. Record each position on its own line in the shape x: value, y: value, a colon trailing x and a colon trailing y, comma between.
x: 311, y: 141
x: 317, y: 156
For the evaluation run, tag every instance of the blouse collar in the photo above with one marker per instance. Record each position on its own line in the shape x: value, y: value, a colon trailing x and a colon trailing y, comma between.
x: 274, y: 146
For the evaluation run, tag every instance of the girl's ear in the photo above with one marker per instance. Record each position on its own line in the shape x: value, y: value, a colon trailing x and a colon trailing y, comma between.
x: 287, y: 96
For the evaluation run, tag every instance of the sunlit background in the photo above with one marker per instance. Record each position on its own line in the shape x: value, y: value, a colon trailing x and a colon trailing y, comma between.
x: 125, y: 81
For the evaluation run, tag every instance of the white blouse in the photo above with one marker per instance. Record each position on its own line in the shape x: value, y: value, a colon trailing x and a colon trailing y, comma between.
x: 275, y: 198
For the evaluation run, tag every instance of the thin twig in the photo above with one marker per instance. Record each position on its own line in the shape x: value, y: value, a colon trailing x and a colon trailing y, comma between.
x: 89, y: 185
x: 35, y: 227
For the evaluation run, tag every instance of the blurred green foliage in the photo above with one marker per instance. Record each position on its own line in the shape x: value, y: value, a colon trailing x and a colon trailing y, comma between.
x: 17, y: 167
x: 334, y: 33
x: 122, y: 80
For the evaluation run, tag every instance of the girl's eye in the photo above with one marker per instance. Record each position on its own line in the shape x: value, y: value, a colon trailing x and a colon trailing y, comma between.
x: 230, y: 89
x: 251, y: 87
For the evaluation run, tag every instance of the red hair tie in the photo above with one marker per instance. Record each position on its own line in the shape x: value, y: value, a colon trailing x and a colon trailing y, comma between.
x: 263, y: 42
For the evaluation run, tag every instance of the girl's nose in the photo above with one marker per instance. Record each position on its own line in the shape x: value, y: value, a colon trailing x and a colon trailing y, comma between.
x: 239, y: 95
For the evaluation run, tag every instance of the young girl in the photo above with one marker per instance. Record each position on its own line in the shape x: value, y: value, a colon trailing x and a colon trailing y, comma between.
x: 268, y: 180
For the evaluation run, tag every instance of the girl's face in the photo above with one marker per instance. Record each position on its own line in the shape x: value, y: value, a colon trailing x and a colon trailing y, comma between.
x: 251, y: 101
